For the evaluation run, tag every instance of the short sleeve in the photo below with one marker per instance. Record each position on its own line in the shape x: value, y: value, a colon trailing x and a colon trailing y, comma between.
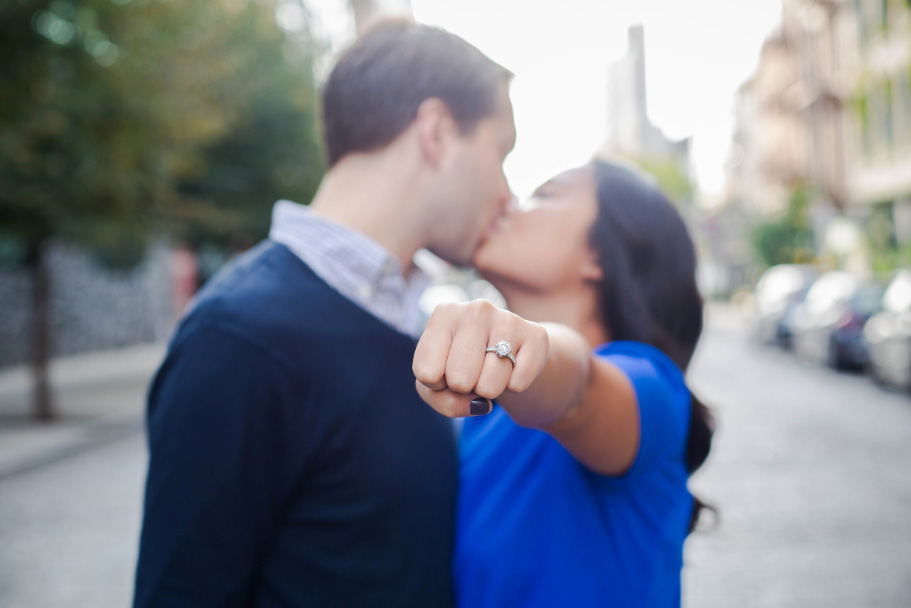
x: 663, y: 400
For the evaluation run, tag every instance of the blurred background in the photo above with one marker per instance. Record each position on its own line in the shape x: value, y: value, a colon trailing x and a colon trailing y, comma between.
x: 143, y: 143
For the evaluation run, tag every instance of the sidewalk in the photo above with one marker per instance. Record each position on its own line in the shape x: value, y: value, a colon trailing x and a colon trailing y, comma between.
x: 99, y: 397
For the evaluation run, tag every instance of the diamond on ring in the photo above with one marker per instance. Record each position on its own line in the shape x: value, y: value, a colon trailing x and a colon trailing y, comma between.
x: 503, y: 350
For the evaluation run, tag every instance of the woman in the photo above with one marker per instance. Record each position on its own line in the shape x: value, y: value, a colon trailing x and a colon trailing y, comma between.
x: 599, y: 273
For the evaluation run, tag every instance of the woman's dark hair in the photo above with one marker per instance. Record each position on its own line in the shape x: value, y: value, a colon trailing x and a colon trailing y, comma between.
x: 649, y: 293
x: 374, y: 90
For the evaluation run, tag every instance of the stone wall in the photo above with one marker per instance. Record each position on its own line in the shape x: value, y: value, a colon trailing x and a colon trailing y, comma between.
x: 93, y: 308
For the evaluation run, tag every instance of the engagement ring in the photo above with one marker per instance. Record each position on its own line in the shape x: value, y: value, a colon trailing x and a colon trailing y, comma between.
x: 503, y: 350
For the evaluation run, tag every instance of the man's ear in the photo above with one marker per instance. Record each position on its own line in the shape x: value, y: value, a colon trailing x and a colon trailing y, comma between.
x: 436, y: 130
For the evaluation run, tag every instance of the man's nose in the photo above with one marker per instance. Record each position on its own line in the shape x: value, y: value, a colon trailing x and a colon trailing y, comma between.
x: 506, y: 194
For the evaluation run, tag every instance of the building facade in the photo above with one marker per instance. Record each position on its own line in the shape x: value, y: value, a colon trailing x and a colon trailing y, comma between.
x: 630, y: 133
x: 769, y: 153
x: 879, y: 179
x: 367, y: 11
x: 829, y: 109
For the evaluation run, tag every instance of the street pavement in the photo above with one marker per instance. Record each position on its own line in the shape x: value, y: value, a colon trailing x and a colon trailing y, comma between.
x: 99, y: 397
x: 810, y: 474
x: 70, y: 529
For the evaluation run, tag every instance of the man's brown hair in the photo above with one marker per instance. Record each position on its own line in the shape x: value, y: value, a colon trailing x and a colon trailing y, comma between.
x: 375, y: 89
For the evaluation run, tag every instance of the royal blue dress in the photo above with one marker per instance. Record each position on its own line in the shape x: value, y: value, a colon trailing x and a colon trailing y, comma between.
x: 537, y: 528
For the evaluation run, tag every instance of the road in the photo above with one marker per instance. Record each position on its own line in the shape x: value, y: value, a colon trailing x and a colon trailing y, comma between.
x: 810, y: 473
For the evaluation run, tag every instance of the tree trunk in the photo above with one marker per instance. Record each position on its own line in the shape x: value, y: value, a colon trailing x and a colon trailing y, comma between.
x: 42, y: 396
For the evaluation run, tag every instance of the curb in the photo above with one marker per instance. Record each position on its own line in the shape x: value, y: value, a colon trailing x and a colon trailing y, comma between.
x: 97, y: 435
x: 83, y: 383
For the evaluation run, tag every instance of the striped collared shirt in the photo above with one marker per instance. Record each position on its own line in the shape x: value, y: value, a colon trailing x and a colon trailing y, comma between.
x: 353, y: 264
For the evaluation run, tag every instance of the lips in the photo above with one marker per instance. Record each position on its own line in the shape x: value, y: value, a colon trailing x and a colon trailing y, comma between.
x: 497, y: 225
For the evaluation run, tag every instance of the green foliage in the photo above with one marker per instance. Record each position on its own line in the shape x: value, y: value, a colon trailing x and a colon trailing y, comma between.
x: 272, y: 151
x: 861, y: 107
x: 116, y: 114
x: 887, y: 252
x: 789, y: 239
x: 670, y: 177
x: 886, y: 261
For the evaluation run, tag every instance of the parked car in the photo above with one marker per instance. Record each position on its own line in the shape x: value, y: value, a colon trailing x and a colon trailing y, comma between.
x: 788, y: 321
x: 778, y: 292
x: 828, y: 325
x: 888, y: 335
x: 820, y: 309
x: 847, y: 347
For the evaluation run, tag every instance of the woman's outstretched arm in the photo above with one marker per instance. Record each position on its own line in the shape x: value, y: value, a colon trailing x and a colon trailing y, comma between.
x: 557, y: 384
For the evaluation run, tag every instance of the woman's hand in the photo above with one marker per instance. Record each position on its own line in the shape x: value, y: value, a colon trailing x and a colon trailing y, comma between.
x: 451, y: 364
x: 586, y: 403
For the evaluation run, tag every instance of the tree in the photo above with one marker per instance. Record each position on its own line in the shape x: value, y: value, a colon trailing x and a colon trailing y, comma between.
x: 671, y: 178
x: 109, y: 110
x: 788, y: 240
x: 272, y: 150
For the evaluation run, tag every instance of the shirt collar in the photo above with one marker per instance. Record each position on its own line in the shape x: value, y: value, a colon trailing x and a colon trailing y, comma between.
x: 344, y: 257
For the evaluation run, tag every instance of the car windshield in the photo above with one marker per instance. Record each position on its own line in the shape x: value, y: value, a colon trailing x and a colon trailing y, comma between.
x: 830, y: 289
x: 898, y: 295
x: 867, y: 300
x: 779, y: 284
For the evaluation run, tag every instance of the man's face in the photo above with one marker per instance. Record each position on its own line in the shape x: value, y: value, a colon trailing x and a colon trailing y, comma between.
x: 475, y: 189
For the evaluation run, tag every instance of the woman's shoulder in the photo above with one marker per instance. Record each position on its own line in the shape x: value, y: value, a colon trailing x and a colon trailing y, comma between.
x: 641, y: 361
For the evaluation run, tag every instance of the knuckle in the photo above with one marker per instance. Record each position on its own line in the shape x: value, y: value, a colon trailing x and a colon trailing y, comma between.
x: 517, y: 384
x: 474, y: 311
x: 485, y: 305
x: 442, y: 311
x: 459, y: 384
x: 459, y: 378
x: 480, y: 309
x: 488, y: 389
x: 424, y: 372
x: 536, y: 339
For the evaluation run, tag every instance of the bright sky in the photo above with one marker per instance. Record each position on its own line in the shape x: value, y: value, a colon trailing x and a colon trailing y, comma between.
x: 697, y: 53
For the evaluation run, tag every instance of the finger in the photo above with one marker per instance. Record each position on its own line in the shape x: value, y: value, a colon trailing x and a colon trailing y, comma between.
x: 529, y: 345
x: 530, y: 359
x: 452, y: 404
x: 494, y: 377
x: 432, y: 351
x: 466, y: 355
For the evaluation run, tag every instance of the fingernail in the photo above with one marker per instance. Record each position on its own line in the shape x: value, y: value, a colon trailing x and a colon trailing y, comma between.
x: 479, y: 406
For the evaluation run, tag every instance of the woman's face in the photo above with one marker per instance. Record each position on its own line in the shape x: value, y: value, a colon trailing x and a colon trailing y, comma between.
x: 543, y: 246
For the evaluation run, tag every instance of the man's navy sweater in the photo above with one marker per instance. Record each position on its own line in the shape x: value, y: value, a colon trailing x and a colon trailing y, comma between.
x: 292, y: 462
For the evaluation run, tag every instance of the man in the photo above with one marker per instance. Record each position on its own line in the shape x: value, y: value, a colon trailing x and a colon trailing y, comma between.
x: 292, y: 462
